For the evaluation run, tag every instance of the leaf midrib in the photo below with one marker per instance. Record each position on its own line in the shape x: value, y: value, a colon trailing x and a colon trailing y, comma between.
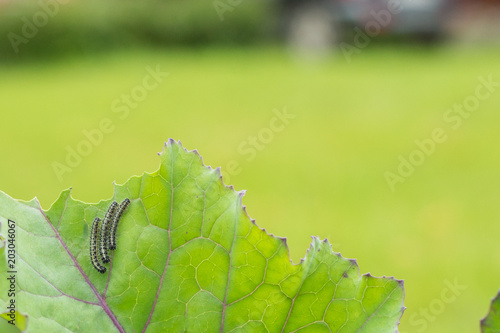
x: 101, y: 300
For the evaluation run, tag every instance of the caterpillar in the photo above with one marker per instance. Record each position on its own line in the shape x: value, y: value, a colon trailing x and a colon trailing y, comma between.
x: 105, y: 231
x: 94, y: 243
x: 114, y: 224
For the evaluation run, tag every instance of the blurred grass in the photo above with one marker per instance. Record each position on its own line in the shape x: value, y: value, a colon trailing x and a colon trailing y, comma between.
x: 323, y: 175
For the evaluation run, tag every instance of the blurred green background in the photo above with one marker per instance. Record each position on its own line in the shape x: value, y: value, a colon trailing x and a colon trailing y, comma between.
x: 323, y: 174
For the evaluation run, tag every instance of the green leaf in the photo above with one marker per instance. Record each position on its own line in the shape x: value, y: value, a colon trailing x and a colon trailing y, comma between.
x: 18, y: 325
x: 188, y: 258
x: 491, y: 323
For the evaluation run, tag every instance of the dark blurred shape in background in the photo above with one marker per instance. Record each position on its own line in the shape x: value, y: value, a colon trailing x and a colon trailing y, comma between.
x: 36, y: 28
x: 322, y: 23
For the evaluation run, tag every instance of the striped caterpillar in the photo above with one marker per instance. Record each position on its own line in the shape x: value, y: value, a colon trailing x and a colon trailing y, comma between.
x: 94, y: 243
x: 105, y: 231
x: 114, y: 224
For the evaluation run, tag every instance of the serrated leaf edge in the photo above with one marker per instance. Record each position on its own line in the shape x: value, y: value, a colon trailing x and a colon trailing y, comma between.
x: 490, y: 311
x: 284, y: 239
